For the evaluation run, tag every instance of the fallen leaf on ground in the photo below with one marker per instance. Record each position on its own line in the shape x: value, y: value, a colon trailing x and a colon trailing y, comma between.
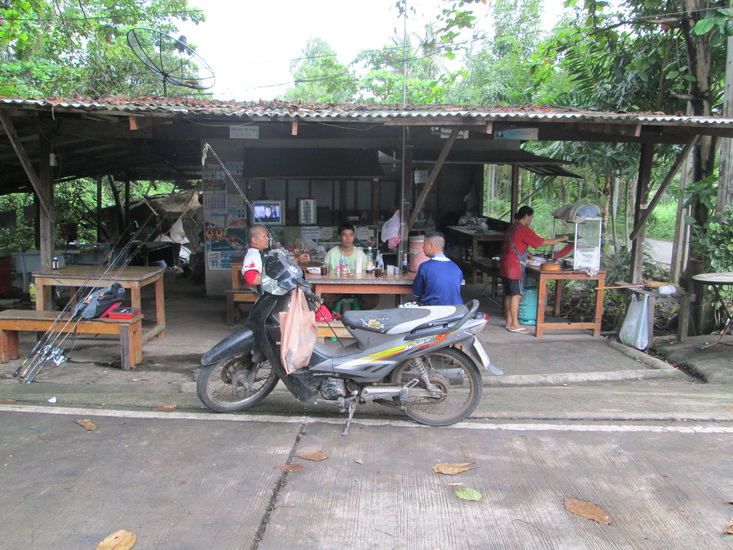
x: 315, y: 456
x: 7, y: 401
x: 729, y: 529
x: 451, y: 469
x: 119, y: 540
x: 291, y: 468
x: 587, y: 510
x: 86, y: 424
x: 466, y: 493
x: 165, y: 408
x: 358, y: 461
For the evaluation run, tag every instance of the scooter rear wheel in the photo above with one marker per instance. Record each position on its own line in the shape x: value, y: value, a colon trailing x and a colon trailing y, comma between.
x: 235, y: 384
x: 458, y: 380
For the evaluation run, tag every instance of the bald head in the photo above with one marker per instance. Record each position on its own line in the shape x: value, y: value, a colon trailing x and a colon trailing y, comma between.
x: 437, y: 240
x: 257, y: 236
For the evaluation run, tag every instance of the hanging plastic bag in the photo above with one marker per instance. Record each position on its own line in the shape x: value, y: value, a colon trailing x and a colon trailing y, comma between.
x: 391, y: 231
x: 635, y: 330
x: 298, y: 333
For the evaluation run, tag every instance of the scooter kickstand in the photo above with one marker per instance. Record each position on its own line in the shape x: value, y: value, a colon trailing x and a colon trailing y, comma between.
x: 352, y: 408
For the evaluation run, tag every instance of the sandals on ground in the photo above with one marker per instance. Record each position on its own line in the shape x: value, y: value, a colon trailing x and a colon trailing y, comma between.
x: 520, y: 330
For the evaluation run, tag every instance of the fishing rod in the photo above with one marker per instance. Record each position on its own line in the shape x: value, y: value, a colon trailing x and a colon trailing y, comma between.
x: 49, y: 348
x: 228, y: 174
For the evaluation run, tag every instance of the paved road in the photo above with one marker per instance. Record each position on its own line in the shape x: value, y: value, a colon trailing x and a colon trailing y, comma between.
x: 661, y: 251
x: 194, y: 479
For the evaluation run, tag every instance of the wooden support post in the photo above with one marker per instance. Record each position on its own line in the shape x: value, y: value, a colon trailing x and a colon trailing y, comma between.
x: 663, y: 187
x: 47, y: 227
x: 642, y: 197
x: 516, y: 179
x: 434, y: 174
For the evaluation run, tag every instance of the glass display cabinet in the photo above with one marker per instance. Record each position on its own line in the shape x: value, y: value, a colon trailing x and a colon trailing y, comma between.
x: 586, y: 237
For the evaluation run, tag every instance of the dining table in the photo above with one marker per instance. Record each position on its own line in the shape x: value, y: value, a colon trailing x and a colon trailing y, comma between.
x: 92, y: 276
x: 361, y: 283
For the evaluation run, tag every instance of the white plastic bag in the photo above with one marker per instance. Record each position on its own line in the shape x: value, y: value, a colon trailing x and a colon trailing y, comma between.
x: 635, y: 330
x: 391, y: 231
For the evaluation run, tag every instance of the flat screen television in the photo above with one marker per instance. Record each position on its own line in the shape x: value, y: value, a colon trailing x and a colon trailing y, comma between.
x: 268, y: 212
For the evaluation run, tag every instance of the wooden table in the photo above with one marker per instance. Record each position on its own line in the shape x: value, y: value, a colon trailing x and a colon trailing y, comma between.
x: 469, y: 239
x: 364, y: 283
x: 132, y: 277
x: 565, y: 275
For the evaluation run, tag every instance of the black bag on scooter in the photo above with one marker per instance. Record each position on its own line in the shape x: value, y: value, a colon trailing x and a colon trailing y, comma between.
x: 99, y: 302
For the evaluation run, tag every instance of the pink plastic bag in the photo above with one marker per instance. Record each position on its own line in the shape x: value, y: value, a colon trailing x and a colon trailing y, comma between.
x: 391, y: 231
x: 298, y: 333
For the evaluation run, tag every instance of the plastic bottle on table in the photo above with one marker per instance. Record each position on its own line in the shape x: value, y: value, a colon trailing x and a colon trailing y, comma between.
x: 345, y: 271
x: 369, y: 262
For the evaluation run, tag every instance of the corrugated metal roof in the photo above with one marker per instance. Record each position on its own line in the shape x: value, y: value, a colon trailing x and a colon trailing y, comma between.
x: 286, y: 110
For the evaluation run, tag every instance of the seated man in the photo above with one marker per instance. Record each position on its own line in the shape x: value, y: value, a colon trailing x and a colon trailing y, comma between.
x: 259, y: 244
x: 438, y: 281
x: 351, y: 255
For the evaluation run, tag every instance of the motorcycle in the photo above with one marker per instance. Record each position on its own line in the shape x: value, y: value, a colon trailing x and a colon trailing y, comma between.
x: 423, y: 360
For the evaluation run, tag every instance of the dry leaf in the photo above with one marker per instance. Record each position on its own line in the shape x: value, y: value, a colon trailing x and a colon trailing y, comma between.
x: 587, y: 510
x: 728, y: 407
x: 315, y: 456
x: 358, y: 461
x: 165, y: 408
x: 729, y: 529
x: 451, y: 469
x: 291, y: 468
x: 7, y: 401
x: 466, y: 493
x: 119, y: 540
x: 87, y: 424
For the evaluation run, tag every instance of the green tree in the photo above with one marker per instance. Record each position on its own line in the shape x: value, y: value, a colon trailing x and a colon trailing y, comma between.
x: 319, y: 77
x: 67, y: 47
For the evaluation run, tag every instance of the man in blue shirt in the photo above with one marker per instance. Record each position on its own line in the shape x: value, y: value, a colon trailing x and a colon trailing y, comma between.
x: 438, y: 281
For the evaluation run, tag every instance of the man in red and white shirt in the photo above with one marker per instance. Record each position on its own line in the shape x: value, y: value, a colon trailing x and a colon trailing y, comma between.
x: 259, y: 243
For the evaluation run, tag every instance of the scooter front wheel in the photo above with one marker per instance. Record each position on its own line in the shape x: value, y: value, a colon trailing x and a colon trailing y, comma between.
x: 235, y: 384
x: 457, y: 387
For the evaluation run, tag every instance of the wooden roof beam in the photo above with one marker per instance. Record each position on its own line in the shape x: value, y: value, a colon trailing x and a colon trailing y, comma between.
x: 44, y: 195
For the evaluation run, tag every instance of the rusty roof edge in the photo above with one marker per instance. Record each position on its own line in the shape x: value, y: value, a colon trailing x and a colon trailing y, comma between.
x: 119, y: 105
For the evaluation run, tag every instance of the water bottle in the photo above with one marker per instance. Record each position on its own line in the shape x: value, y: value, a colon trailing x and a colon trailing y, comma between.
x: 404, y: 265
x: 55, y: 264
x: 369, y: 262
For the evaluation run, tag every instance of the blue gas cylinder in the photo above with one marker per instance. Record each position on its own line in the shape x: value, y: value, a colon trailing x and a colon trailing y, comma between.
x: 528, y: 303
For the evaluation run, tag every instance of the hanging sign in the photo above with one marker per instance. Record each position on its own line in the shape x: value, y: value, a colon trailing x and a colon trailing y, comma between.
x: 520, y: 134
x: 244, y: 132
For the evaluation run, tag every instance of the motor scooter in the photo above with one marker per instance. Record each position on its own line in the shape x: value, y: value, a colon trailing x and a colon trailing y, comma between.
x: 424, y: 360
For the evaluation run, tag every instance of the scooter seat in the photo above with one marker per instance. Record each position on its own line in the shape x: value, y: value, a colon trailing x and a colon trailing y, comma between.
x: 401, y: 320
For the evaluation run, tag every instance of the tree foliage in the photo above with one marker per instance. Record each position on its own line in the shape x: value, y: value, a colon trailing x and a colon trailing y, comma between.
x: 67, y: 47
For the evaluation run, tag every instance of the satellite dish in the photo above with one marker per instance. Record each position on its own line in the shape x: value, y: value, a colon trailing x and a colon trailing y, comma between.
x: 170, y: 59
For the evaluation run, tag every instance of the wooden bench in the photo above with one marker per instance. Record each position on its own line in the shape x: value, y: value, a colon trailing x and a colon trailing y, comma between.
x: 235, y: 299
x: 13, y: 321
x: 335, y: 330
x: 485, y: 267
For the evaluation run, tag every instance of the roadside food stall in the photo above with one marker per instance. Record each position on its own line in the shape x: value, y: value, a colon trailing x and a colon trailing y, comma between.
x: 580, y: 260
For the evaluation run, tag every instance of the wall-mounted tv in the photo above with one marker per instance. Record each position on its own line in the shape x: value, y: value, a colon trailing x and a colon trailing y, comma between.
x: 267, y: 212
